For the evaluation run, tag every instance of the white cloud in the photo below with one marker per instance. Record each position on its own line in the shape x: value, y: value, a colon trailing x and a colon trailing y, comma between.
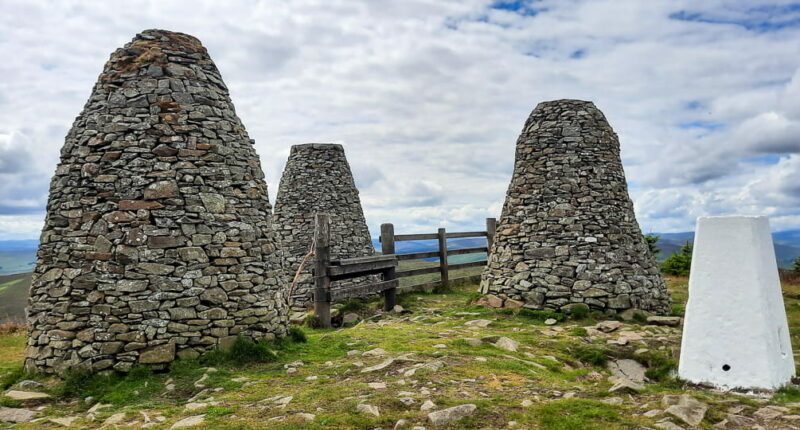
x: 441, y: 89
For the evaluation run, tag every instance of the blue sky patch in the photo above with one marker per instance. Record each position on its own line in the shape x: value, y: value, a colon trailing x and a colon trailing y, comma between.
x: 761, y: 19
x: 521, y: 7
x: 764, y: 159
x: 705, y: 125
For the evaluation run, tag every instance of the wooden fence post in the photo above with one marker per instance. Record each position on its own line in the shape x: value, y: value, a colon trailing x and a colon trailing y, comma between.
x: 322, y: 283
x: 387, y: 239
x: 443, y: 258
x: 387, y: 248
x: 491, y: 229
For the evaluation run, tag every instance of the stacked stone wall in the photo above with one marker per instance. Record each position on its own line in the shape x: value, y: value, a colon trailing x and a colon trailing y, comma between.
x: 568, y: 233
x: 158, y: 239
x: 317, y: 179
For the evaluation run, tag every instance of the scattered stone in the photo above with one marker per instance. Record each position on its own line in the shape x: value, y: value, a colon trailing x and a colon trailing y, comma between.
x: 427, y: 405
x: 114, y: 419
x: 478, y: 323
x: 194, y: 407
x: 449, y: 415
x: 16, y: 415
x: 769, y: 413
x: 397, y: 309
x: 652, y: 413
x: 613, y: 400
x: 440, y: 346
x: 306, y: 417
x: 377, y: 352
x: 380, y: 366
x: 408, y: 401
x: 472, y: 341
x: 24, y: 396
x: 621, y: 384
x: 630, y: 369
x: 507, y: 344
x: 350, y: 318
x: 686, y: 408
x: 667, y: 425
x: 608, y: 326
x: 192, y: 421
x: 377, y: 385
x: 526, y: 403
x: 664, y: 321
x: 368, y: 409
x: 29, y: 385
x: 550, y: 321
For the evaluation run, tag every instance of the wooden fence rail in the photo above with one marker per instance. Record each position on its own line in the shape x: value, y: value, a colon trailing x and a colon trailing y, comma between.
x: 388, y: 240
x: 327, y: 270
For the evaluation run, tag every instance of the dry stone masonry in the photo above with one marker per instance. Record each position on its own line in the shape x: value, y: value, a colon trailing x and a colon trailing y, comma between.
x: 158, y: 239
x: 568, y: 233
x: 317, y: 179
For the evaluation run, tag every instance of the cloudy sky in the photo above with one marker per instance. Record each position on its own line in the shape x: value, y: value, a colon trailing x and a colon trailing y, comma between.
x: 428, y: 96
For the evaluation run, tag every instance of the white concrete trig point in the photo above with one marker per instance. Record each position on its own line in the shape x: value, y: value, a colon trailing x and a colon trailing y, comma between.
x: 735, y: 334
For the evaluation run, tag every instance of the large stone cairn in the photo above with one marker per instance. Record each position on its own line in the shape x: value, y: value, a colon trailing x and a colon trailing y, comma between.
x: 568, y: 233
x: 317, y: 179
x: 158, y: 240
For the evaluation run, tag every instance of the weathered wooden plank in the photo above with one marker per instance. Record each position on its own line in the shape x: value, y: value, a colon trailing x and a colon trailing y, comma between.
x: 355, y: 260
x: 422, y: 236
x: 413, y: 272
x: 417, y: 255
x: 387, y: 239
x: 363, y: 290
x: 355, y: 268
x: 466, y: 234
x: 470, y: 264
x: 463, y: 251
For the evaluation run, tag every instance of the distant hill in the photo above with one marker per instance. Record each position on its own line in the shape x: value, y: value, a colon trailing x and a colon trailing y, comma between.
x: 787, y: 245
x: 433, y: 245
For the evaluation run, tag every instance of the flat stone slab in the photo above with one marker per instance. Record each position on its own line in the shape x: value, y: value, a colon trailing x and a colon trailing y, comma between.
x: 26, y: 395
x: 16, y: 415
x: 449, y: 415
x: 630, y: 369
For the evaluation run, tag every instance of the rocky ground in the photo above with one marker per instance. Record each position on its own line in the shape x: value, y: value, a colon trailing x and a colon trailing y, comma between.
x: 441, y: 362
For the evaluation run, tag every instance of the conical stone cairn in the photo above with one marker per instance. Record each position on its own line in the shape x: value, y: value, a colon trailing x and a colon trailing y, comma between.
x: 317, y: 179
x: 158, y: 239
x: 568, y: 235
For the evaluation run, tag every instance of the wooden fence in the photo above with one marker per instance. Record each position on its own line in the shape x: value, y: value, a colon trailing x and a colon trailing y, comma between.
x: 389, y: 239
x: 385, y: 265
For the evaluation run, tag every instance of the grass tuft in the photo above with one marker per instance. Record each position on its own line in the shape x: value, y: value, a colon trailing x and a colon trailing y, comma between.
x: 591, y: 354
x: 570, y: 414
x: 297, y: 335
x: 244, y: 351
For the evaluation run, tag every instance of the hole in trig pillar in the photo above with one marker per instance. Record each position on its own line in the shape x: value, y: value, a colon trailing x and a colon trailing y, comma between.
x: 726, y: 367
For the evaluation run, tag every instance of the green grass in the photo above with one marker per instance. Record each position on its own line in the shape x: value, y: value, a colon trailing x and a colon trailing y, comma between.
x: 8, y: 284
x: 573, y: 414
x: 549, y: 362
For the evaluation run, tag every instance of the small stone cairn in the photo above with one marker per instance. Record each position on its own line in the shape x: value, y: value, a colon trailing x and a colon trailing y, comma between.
x: 568, y: 235
x: 317, y: 179
x: 158, y: 239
